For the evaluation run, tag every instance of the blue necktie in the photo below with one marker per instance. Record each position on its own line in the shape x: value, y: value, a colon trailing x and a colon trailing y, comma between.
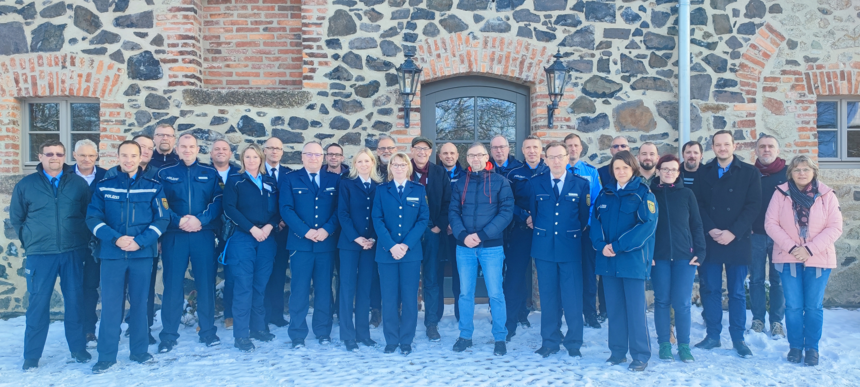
x: 274, y: 173
x: 555, y: 186
x: 400, y: 190
x: 314, y: 182
x: 54, y: 185
x: 367, y: 186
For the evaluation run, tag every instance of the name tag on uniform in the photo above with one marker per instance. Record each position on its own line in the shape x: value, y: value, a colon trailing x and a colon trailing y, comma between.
x: 109, y: 196
x: 267, y: 187
x: 602, y: 206
x: 576, y: 195
x: 171, y: 178
x: 329, y: 189
x: 408, y: 199
x: 203, y: 177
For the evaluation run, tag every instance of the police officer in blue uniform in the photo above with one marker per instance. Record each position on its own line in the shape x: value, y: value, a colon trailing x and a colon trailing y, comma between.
x: 221, y: 154
x: 624, y: 221
x: 400, y: 216
x: 251, y: 203
x: 500, y: 152
x: 273, y: 149
x: 194, y: 204
x: 308, y: 203
x: 357, y: 244
x: 518, y: 244
x: 127, y: 214
x: 579, y: 167
x: 558, y: 202
x: 448, y: 159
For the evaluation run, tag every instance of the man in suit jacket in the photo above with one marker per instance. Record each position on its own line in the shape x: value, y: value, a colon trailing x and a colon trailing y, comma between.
x: 308, y: 204
x: 274, y: 300
x: 438, y: 188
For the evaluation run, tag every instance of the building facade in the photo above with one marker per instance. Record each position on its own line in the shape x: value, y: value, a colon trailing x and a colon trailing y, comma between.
x: 324, y: 70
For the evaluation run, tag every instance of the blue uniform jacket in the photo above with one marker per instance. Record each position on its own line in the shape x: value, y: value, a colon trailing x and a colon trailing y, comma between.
x: 400, y: 220
x: 558, y: 221
x: 149, y: 172
x: 606, y: 178
x: 627, y: 219
x: 124, y: 206
x: 248, y: 206
x: 588, y: 172
x: 302, y: 210
x: 454, y: 174
x: 192, y: 190
x: 354, y: 205
x: 504, y: 170
x: 519, y: 179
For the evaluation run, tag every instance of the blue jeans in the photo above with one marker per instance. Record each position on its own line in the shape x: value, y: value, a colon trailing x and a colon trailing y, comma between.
x: 433, y: 276
x: 804, y: 310
x: 673, y: 289
x: 762, y: 254
x: 492, y: 260
x: 711, y: 289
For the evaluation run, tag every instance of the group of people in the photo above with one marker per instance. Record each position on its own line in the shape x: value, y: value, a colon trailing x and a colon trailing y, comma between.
x: 390, y: 220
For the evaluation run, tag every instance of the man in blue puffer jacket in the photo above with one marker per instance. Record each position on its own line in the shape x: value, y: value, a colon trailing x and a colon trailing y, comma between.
x: 127, y: 214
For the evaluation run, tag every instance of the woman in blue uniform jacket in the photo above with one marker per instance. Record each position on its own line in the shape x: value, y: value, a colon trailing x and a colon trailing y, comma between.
x: 251, y: 202
x: 357, y: 244
x: 623, y: 224
x: 400, y: 215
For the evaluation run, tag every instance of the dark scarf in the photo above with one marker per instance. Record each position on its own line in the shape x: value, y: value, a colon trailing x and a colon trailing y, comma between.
x: 774, y: 167
x: 424, y: 172
x: 802, y: 201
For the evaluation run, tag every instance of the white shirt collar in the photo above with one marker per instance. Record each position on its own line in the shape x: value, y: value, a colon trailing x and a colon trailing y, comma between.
x: 560, y: 183
x: 619, y: 186
x: 399, y: 183
x: 362, y: 179
x: 89, y: 178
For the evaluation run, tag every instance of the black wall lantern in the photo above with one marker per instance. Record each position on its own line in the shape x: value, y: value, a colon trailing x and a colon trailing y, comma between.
x: 409, y: 75
x: 557, y: 76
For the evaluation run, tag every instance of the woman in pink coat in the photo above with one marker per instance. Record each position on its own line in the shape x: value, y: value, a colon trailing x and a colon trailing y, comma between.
x: 804, y: 221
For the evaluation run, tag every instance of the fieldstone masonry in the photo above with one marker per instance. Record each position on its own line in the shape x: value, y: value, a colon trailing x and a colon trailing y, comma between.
x: 323, y: 70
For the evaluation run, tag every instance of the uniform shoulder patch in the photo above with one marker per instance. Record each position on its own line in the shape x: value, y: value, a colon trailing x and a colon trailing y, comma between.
x: 652, y: 207
x: 164, y: 203
x: 587, y: 199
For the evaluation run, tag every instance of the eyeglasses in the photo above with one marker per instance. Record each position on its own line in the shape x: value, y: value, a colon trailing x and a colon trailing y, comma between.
x: 499, y: 147
x: 795, y: 170
x: 398, y: 166
x: 149, y: 148
x: 387, y: 148
x: 273, y: 149
x: 421, y: 149
x: 52, y: 154
x: 164, y: 135
x: 619, y: 146
x: 334, y: 155
x: 476, y: 156
x: 667, y: 170
x: 312, y: 155
x: 557, y: 157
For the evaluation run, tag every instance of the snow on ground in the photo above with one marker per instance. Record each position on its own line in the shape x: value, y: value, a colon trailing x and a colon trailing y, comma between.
x: 274, y: 364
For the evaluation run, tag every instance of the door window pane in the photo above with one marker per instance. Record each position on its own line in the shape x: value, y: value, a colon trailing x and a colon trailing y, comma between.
x: 85, y: 117
x: 36, y: 140
x: 44, y: 117
x: 853, y: 143
x: 497, y: 117
x: 94, y: 137
x: 455, y: 119
x: 828, y: 143
x: 827, y: 117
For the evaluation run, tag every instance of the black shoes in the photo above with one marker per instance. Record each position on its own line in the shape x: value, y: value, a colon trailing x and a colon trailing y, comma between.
x: 433, y: 333
x: 708, y: 343
x: 324, y: 340
x: 244, y: 344
x: 369, y: 343
x: 142, y: 358
x: 591, y: 321
x: 794, y: 355
x: 524, y: 322
x: 500, y: 349
x: 92, y: 340
x: 103, y: 366
x: 152, y: 340
x: 298, y: 344
x: 280, y: 323
x: 166, y: 346
x: 811, y: 358
x: 601, y: 317
x: 637, y: 366
x: 82, y: 356
x: 743, y: 350
x: 616, y: 360
x: 375, y: 317
x: 510, y: 336
x: 262, y: 336
x: 351, y: 345
x: 211, y: 341
x: 30, y: 364
x: 545, y: 352
x: 390, y: 348
x: 462, y: 344
x: 574, y: 353
x: 405, y: 349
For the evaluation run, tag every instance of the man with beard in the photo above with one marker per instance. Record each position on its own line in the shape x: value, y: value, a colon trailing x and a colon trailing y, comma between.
x: 503, y: 162
x: 618, y: 144
x: 385, y: 148
x: 334, y: 161
x: 772, y: 169
x: 165, y: 141
x: 692, y: 160
x: 449, y: 157
x: 647, y: 158
x: 220, y: 155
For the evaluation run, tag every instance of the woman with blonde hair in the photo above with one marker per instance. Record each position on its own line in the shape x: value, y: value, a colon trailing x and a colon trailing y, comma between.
x: 804, y: 220
x: 357, y: 244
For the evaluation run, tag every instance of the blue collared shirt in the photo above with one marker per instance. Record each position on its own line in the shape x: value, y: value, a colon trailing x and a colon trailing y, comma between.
x: 452, y: 172
x: 721, y: 171
x: 258, y: 181
x: 589, y: 173
x: 57, y: 184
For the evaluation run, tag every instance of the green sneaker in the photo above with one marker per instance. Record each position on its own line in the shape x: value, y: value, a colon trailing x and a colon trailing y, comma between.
x: 666, y: 352
x: 684, y: 353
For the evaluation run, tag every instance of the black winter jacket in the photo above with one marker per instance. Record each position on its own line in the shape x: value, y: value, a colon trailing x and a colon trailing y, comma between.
x: 679, y: 235
x: 768, y: 187
x: 438, y: 195
x: 485, y: 207
x: 48, y: 224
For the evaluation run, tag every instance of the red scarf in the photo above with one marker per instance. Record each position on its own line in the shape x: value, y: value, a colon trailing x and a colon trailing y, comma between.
x: 774, y: 167
x: 424, y: 172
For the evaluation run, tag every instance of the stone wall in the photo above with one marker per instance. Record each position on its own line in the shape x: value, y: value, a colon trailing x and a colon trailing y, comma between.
x: 757, y: 67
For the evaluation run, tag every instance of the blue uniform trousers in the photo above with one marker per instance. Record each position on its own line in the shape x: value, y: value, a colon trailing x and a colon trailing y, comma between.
x: 399, y: 285
x: 356, y: 273
x: 306, y: 265
x: 375, y: 292
x: 227, y: 290
x: 589, y: 279
x: 250, y: 265
x: 42, y: 272
x: 517, y: 284
x: 560, y: 284
x: 628, y: 326
x: 177, y: 248
x: 90, y: 295
x: 274, y: 300
x: 433, y: 277
x: 115, y: 273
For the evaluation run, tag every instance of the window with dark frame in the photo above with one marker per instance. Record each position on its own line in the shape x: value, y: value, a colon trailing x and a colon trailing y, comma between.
x: 68, y: 121
x: 838, y: 128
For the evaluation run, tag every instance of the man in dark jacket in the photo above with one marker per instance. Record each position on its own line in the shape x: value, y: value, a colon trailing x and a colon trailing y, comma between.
x: 619, y: 144
x: 127, y: 214
x: 772, y: 169
x: 334, y: 160
x: 438, y: 187
x: 482, y: 206
x: 47, y: 210
x: 221, y: 156
x: 165, y: 141
x: 730, y: 200
x: 692, y: 152
x: 448, y: 158
x: 86, y: 155
x: 503, y: 162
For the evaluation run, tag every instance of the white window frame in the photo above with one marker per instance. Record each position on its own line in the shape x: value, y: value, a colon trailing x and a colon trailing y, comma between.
x: 65, y: 127
x: 842, y: 160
